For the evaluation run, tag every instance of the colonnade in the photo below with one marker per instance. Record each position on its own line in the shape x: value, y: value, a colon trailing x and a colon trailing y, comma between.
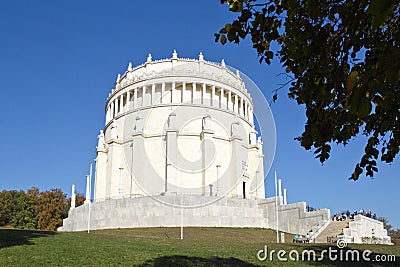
x: 179, y: 93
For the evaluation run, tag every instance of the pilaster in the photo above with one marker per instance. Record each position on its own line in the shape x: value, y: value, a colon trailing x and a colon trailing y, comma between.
x: 100, y: 174
x: 206, y: 136
x: 171, y: 151
x: 114, y: 162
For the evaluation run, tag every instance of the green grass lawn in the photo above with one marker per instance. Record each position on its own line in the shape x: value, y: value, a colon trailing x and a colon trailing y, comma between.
x: 163, y: 247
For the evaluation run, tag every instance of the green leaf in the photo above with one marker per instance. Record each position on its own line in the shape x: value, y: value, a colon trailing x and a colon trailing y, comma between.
x: 380, y: 9
x: 364, y: 107
x: 359, y: 104
x: 351, y: 81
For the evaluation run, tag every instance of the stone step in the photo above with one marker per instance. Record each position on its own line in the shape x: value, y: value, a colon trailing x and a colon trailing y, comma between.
x: 334, y: 229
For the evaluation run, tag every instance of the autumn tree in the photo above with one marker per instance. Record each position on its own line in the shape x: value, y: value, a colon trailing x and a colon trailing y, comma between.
x: 17, y: 209
x: 52, y: 209
x: 24, y: 216
x: 5, y: 207
x: 395, y: 235
x: 342, y: 60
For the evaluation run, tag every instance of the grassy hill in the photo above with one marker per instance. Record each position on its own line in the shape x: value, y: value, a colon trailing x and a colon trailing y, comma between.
x: 163, y: 247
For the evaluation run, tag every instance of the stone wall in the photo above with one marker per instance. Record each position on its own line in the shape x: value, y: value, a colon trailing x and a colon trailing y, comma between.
x: 366, y: 230
x: 225, y: 212
x: 292, y: 218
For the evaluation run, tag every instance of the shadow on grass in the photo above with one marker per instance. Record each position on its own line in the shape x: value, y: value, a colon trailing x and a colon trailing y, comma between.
x: 15, y: 237
x: 348, y: 257
x: 177, y: 260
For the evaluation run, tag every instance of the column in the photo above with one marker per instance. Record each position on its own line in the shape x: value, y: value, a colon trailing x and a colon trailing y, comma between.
x: 143, y: 95
x: 284, y: 197
x: 203, y: 96
x: 73, y: 198
x: 222, y: 99
x: 134, y: 98
x: 280, y: 191
x: 213, y: 96
x: 87, y: 195
x: 246, y: 113
x: 173, y: 93
x: 236, y: 108
x: 153, y: 92
x: 184, y: 92
x: 128, y: 98
x: 162, y: 93
x: 121, y: 103
x: 115, y: 107
x: 241, y: 106
x: 193, y: 92
x: 111, y: 110
x: 230, y: 100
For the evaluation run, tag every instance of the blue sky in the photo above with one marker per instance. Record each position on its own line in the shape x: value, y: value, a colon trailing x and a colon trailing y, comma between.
x: 59, y: 61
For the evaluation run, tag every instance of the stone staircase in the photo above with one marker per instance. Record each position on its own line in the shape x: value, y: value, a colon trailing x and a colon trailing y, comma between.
x: 334, y: 229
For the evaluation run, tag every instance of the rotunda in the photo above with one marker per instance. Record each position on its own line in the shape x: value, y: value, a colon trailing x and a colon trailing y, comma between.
x: 179, y: 126
x: 180, y: 148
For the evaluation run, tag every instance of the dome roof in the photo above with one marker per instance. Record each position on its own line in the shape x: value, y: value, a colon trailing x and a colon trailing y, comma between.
x: 180, y: 67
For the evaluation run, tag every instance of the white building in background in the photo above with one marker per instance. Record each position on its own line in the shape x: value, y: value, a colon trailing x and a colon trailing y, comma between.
x: 179, y: 147
x: 179, y: 125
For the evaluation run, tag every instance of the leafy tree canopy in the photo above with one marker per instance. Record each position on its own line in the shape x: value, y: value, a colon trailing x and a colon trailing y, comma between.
x: 34, y: 209
x: 343, y: 60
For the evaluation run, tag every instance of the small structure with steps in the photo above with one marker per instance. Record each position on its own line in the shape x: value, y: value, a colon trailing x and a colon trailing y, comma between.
x: 334, y: 229
x: 361, y: 230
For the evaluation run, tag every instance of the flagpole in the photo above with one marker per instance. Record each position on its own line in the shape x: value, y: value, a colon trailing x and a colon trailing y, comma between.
x: 276, y: 210
x: 90, y: 193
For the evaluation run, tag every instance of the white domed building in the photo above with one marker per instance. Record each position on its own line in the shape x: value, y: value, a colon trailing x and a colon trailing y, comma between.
x: 179, y: 126
x: 179, y: 147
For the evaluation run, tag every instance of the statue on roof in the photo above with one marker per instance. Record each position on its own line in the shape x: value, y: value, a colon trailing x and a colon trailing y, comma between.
x: 114, y: 128
x: 100, y: 143
x: 201, y: 57
x: 174, y: 54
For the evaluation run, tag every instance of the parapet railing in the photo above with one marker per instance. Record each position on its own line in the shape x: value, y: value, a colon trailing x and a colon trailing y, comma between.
x: 169, y: 194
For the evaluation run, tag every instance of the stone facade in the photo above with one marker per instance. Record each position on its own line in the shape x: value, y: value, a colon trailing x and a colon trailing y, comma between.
x: 179, y: 125
x: 225, y: 212
x: 366, y: 230
x: 180, y: 137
